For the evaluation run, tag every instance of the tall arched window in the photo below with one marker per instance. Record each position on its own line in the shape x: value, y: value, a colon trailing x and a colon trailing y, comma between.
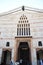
x: 23, y: 26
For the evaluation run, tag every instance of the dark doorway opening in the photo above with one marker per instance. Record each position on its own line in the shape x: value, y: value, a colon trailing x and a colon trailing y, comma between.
x: 24, y: 55
x: 39, y: 56
x: 6, y: 57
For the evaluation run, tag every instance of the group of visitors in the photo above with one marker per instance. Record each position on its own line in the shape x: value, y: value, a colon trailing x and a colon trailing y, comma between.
x: 20, y: 62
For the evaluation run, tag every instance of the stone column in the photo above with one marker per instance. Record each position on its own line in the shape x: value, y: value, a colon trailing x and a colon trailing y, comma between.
x: 12, y: 56
x: 34, y: 58
x: 0, y: 55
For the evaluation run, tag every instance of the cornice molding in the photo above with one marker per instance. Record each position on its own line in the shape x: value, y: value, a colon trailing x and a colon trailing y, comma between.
x: 20, y: 9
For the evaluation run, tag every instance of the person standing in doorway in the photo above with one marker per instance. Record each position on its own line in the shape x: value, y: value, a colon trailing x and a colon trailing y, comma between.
x: 12, y: 62
x: 41, y: 62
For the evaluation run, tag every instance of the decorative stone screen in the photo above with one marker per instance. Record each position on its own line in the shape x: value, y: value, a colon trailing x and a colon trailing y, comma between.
x: 23, y: 26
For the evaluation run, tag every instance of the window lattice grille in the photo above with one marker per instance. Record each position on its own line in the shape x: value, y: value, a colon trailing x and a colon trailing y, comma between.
x: 23, y: 26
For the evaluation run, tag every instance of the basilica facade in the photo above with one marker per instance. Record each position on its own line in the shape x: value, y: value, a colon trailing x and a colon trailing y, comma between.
x: 21, y: 35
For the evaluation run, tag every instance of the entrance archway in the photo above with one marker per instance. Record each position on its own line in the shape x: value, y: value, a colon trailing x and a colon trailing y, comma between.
x: 6, y: 57
x: 24, y: 55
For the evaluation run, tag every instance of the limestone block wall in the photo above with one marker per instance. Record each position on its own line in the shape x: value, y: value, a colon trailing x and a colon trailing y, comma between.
x: 35, y: 42
x: 4, y: 41
x: 8, y: 23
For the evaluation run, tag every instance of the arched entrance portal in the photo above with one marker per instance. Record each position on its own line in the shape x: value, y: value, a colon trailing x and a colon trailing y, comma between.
x: 24, y: 55
x: 6, y: 57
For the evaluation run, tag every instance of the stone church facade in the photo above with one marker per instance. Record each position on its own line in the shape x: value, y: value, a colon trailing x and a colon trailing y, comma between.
x: 21, y: 35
